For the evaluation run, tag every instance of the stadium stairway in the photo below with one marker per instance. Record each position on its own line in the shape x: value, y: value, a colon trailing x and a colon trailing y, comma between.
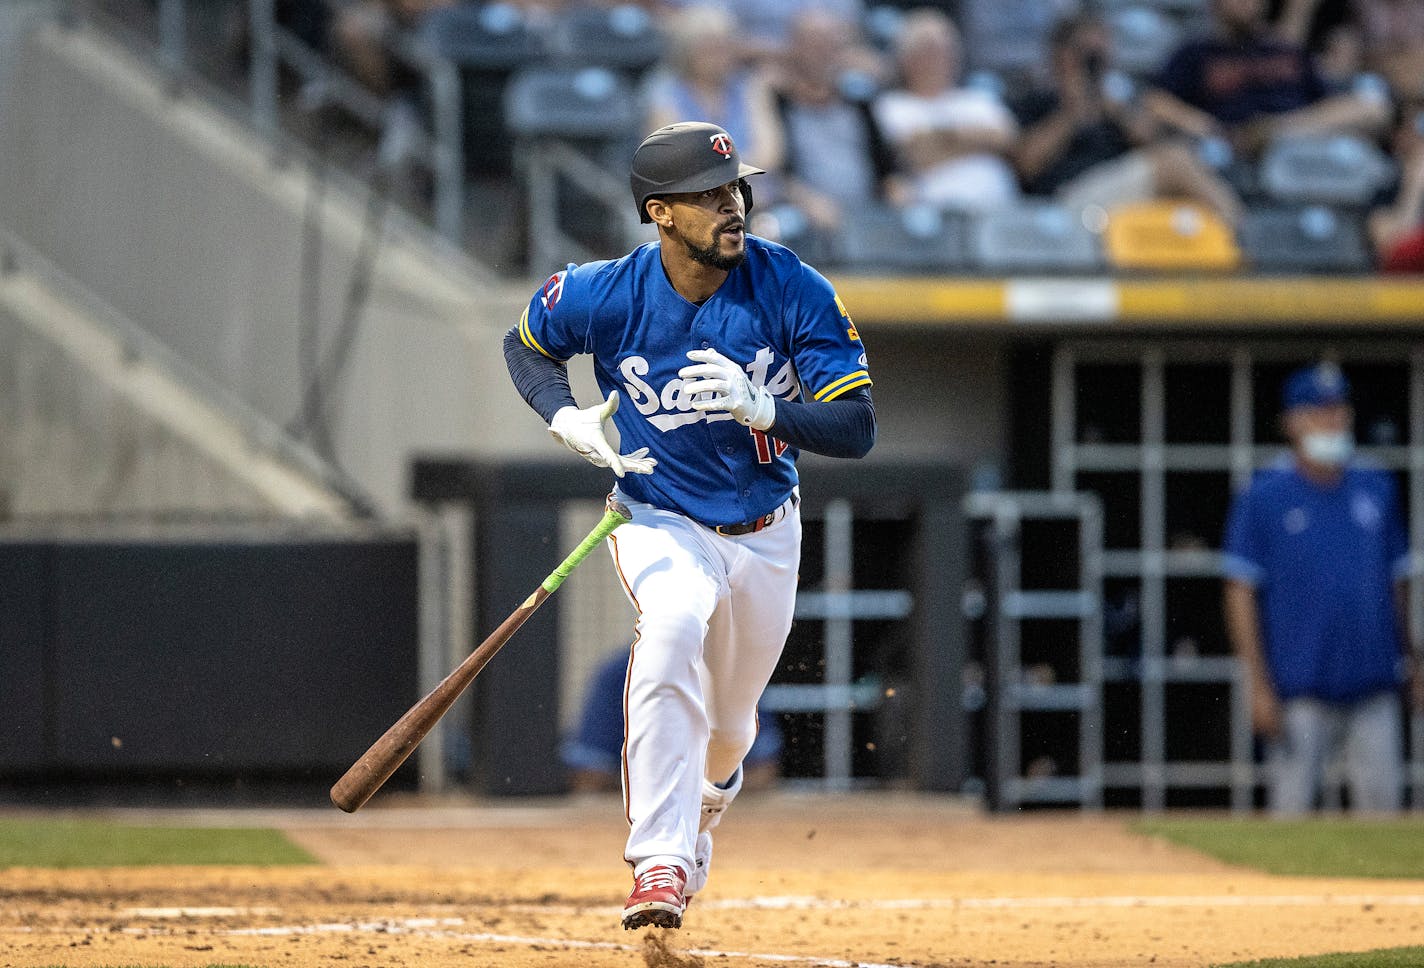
x: 254, y: 265
x: 97, y: 420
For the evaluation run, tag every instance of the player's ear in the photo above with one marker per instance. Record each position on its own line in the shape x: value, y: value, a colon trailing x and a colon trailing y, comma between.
x: 659, y: 211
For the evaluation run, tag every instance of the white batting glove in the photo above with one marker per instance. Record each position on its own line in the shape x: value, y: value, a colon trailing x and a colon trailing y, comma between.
x: 716, y: 383
x: 581, y: 431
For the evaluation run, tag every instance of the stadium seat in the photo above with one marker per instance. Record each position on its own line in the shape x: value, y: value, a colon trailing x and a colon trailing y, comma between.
x: 1007, y: 37
x: 623, y: 37
x: 790, y: 226
x: 882, y: 24
x: 487, y: 43
x: 1143, y: 37
x: 1326, y: 170
x: 1311, y: 239
x: 590, y: 103
x: 1169, y: 236
x: 486, y: 37
x: 1036, y: 237
x: 915, y: 238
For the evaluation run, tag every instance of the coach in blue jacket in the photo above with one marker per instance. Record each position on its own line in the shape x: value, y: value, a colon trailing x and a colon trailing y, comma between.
x: 1316, y: 566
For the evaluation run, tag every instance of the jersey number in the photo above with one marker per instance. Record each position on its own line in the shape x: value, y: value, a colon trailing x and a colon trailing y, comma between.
x: 767, y: 447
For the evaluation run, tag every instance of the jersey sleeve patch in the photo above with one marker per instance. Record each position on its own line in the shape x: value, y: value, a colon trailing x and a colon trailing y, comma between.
x: 527, y: 338
x: 851, y: 331
x: 860, y: 378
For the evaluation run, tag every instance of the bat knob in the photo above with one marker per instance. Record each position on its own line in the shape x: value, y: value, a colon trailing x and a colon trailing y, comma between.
x: 618, y: 508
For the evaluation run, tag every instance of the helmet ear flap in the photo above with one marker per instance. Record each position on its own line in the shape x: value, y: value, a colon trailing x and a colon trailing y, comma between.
x: 745, y: 188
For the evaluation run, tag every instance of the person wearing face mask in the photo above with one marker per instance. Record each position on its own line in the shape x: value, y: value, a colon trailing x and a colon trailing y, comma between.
x: 1316, y: 565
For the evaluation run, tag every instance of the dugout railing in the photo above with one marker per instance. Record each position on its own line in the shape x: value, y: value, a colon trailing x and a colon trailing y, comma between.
x: 1163, y: 432
x: 1038, y: 685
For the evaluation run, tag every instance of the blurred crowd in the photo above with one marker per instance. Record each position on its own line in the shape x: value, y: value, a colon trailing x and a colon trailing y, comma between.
x: 980, y: 105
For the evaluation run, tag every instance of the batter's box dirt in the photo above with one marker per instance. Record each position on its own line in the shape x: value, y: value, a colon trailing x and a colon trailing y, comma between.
x: 904, y: 881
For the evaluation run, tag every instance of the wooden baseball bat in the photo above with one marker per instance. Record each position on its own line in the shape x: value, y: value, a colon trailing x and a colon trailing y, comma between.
x: 386, y: 754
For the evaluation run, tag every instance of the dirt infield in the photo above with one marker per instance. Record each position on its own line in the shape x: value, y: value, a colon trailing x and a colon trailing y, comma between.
x: 797, y: 881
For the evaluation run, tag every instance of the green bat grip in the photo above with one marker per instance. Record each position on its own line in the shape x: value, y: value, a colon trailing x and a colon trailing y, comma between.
x: 615, y: 515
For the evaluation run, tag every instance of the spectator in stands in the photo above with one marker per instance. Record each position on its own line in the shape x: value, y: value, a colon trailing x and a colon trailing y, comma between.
x: 954, y: 142
x: 593, y: 756
x: 364, y: 32
x: 836, y: 157
x: 1087, y: 142
x: 1246, y: 84
x: 703, y: 79
x: 1397, y: 229
x: 767, y: 28
x: 1316, y: 562
x: 1383, y: 37
x: 1011, y: 37
x: 1392, y: 32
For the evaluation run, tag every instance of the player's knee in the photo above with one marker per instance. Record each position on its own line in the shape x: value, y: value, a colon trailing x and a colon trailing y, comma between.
x: 726, y: 748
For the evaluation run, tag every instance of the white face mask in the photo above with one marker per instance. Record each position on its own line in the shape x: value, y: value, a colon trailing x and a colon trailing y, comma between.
x: 1329, y: 448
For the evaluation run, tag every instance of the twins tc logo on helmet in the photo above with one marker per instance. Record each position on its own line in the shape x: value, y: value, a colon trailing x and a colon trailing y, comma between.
x: 553, y: 289
x: 722, y: 144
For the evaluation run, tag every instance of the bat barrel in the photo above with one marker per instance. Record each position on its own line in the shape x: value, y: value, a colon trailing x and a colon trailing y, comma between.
x: 367, y: 774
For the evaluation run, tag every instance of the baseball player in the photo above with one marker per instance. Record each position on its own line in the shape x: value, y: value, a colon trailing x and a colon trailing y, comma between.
x: 732, y: 355
x: 1316, y: 564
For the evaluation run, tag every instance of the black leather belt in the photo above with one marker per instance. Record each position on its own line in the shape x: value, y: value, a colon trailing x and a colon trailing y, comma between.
x: 753, y: 526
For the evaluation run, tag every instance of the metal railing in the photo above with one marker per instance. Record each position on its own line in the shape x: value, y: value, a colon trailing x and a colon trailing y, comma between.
x: 260, y: 435
x: 273, y: 48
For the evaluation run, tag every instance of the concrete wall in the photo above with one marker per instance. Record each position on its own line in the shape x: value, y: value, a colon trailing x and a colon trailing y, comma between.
x: 172, y: 214
x: 90, y: 426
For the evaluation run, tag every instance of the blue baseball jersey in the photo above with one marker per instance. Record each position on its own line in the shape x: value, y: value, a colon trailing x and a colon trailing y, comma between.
x: 1324, y: 562
x: 776, y: 316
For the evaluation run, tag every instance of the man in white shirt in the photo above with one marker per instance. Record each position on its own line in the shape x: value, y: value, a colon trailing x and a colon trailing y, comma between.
x: 953, y: 141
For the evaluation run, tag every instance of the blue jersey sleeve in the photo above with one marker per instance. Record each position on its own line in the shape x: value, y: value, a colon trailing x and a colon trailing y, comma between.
x: 556, y: 321
x: 1243, y: 558
x: 826, y: 348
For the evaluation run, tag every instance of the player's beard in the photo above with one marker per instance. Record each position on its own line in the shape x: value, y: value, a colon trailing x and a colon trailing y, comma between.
x: 711, y: 254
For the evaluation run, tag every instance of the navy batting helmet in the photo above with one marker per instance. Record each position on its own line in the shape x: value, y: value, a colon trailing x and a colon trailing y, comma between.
x: 689, y: 156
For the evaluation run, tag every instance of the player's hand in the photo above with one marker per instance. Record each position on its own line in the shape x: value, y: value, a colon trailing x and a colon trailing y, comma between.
x: 581, y: 431
x: 716, y: 383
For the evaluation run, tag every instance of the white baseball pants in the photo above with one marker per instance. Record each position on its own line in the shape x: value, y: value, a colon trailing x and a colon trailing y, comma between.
x: 713, y: 616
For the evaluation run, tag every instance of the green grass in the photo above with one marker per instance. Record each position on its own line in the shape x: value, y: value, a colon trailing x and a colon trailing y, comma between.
x: 82, y: 843
x: 1385, y: 958
x: 1323, y: 847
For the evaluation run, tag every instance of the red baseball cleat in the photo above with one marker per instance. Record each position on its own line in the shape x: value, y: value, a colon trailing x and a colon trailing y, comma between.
x: 656, y: 899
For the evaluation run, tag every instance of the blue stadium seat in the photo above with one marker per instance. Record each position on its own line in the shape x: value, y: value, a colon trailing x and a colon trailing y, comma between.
x: 486, y: 37
x: 1008, y: 37
x: 1327, y: 170
x: 1034, y: 237
x: 1312, y: 238
x: 1143, y: 37
x: 488, y: 42
x: 789, y: 225
x: 622, y: 37
x: 590, y: 103
x: 915, y: 238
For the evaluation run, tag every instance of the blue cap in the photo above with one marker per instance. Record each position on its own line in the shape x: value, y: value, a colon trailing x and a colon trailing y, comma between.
x: 1321, y: 385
